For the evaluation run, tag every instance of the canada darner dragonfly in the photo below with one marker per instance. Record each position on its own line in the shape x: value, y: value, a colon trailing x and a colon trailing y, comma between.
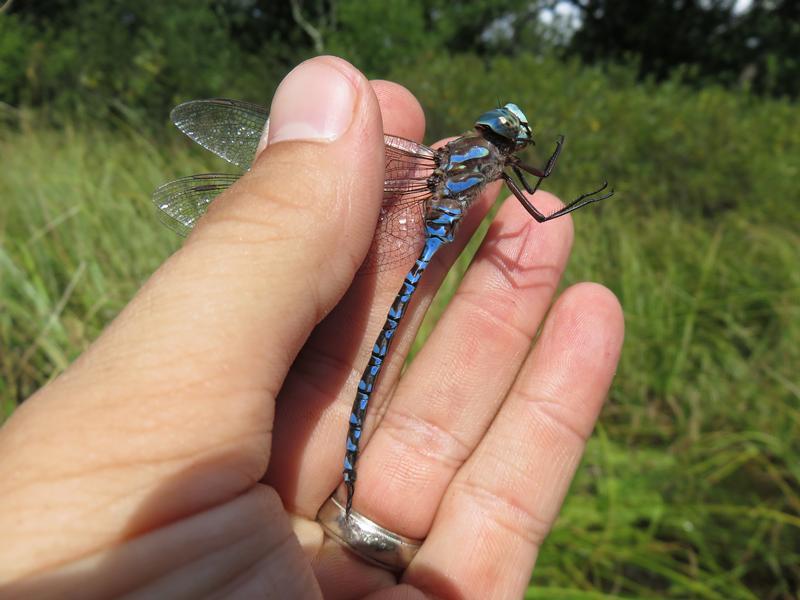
x: 426, y: 193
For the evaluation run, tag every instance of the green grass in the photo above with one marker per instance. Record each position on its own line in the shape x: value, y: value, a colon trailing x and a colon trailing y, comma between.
x: 691, y: 484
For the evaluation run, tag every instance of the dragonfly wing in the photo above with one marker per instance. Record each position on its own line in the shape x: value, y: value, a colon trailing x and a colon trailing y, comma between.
x: 408, y: 147
x: 400, y: 232
x: 183, y: 201
x: 231, y: 129
x: 398, y: 239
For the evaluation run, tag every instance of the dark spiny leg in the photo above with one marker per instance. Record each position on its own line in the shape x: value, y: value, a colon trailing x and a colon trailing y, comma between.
x: 548, y: 169
x: 582, y: 201
x: 512, y: 185
x: 521, y: 176
x: 579, y: 202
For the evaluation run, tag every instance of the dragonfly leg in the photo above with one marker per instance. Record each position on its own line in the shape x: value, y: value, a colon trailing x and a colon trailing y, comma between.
x: 520, y: 195
x: 521, y: 176
x: 579, y: 202
x: 582, y: 201
x: 541, y: 174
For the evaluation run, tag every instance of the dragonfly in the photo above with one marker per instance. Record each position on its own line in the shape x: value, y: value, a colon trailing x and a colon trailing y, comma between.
x: 426, y: 194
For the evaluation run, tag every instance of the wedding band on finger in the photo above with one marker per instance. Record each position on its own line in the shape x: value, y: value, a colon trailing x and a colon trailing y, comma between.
x: 365, y: 538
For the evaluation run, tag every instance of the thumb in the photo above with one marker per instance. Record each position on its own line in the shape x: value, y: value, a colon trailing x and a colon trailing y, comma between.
x: 279, y: 249
x: 275, y: 253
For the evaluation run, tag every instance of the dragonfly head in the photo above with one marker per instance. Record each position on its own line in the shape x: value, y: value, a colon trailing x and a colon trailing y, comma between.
x: 507, y: 125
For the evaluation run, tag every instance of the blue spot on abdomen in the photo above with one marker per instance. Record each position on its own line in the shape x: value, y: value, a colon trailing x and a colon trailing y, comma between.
x: 457, y: 186
x: 472, y: 154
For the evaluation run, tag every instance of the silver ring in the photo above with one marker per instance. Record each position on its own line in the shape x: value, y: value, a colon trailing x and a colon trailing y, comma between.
x: 365, y: 538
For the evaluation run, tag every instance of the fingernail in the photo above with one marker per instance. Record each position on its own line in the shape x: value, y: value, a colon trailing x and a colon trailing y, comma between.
x: 315, y: 101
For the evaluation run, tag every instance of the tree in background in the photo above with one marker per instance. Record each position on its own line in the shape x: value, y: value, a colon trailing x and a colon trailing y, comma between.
x: 710, y: 39
x: 96, y: 56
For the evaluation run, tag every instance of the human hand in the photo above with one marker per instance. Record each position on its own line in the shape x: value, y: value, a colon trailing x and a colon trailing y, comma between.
x: 187, y: 451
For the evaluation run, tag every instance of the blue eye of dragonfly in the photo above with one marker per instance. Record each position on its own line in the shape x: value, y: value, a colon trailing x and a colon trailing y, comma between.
x: 426, y: 193
x: 506, y: 125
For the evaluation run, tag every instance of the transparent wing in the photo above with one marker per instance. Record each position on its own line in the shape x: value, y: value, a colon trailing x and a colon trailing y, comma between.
x: 183, y: 201
x: 409, y: 165
x: 400, y: 232
x: 230, y: 129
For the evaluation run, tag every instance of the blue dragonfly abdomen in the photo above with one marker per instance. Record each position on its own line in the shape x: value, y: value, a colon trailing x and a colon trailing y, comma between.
x: 464, y: 167
x: 441, y: 222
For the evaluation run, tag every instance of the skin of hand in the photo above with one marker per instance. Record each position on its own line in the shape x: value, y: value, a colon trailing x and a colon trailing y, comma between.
x: 188, y: 450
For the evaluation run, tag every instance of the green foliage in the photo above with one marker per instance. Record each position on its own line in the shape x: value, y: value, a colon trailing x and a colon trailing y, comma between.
x: 102, y: 58
x: 376, y: 34
x: 485, y: 27
x: 689, y: 488
x: 14, y: 44
x: 380, y: 36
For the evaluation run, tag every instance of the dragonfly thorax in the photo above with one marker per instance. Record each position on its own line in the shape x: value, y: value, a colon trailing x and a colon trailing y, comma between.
x: 466, y: 165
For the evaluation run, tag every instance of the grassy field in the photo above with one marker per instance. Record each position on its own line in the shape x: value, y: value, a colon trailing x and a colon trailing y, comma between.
x: 691, y: 484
